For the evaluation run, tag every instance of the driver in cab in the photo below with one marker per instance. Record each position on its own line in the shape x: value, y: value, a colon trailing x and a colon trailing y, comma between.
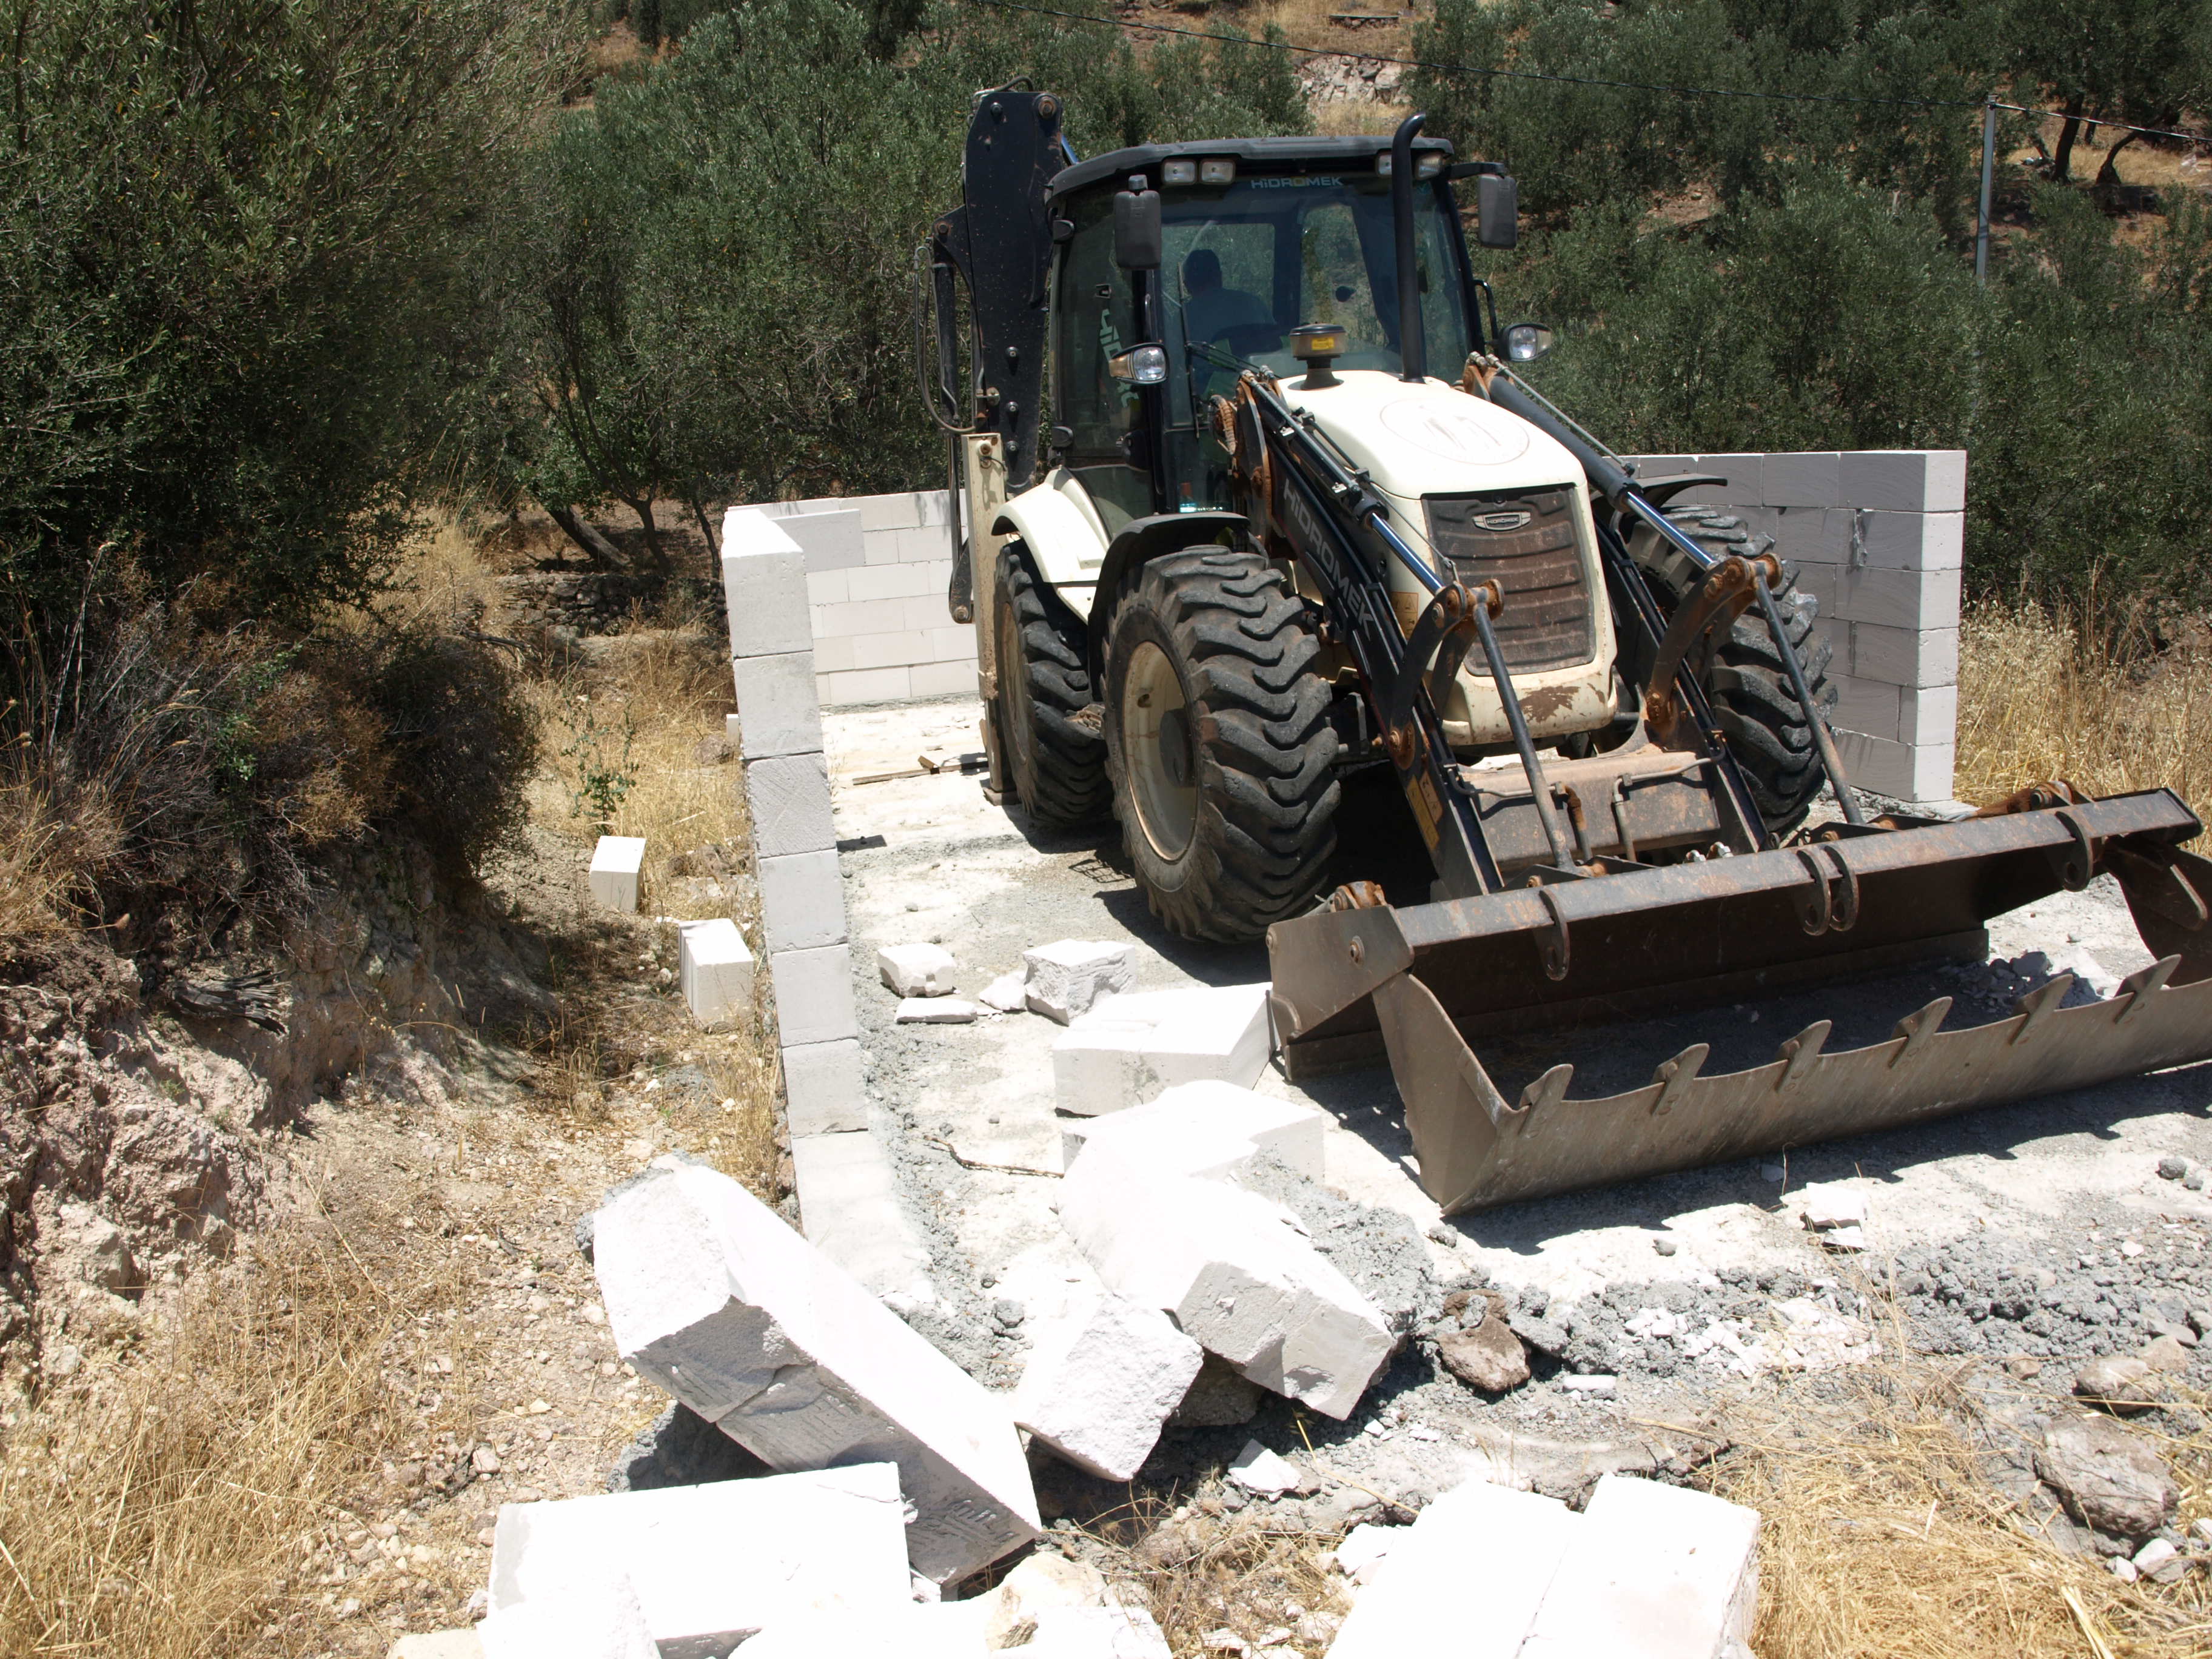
x: 1209, y: 310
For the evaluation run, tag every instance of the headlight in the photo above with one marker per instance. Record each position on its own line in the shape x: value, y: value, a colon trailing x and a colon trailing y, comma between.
x: 1145, y: 365
x: 1427, y: 163
x: 1219, y: 171
x: 1178, y: 173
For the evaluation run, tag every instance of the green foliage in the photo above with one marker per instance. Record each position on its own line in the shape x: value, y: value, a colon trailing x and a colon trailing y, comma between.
x: 604, y: 773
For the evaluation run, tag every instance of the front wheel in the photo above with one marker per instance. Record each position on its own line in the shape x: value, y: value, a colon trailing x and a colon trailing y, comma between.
x: 1047, y: 721
x: 1218, y: 743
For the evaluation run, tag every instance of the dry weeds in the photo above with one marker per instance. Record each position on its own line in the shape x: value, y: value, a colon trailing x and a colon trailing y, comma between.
x: 2037, y: 701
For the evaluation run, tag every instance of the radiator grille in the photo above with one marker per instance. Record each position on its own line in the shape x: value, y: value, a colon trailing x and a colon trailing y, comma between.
x: 1525, y: 541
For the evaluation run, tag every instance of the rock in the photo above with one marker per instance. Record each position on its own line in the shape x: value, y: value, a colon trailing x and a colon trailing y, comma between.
x: 2196, y: 1178
x: 2168, y: 1354
x: 1543, y: 1335
x: 1262, y: 1473
x: 1489, y: 1357
x: 2108, y: 1479
x: 484, y: 1461
x: 1219, y: 1398
x: 2122, y: 1569
x: 935, y: 1011
x: 916, y: 970
x: 2172, y: 1167
x: 2154, y: 1555
x: 1063, y: 979
x: 1364, y: 1547
x: 2116, y: 1383
x: 1665, y: 1246
x: 104, y: 1256
x: 1773, y: 1172
x: 1101, y: 1382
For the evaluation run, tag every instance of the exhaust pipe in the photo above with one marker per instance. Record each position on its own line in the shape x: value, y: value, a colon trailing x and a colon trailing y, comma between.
x: 1412, y: 347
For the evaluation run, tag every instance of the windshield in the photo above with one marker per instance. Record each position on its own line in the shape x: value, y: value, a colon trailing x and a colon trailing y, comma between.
x: 1246, y: 263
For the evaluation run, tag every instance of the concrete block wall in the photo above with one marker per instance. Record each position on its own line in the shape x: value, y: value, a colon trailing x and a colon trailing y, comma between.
x: 1877, y: 536
x: 876, y: 570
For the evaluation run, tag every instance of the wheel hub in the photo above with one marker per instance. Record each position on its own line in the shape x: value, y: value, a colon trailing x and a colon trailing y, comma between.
x: 1162, y: 760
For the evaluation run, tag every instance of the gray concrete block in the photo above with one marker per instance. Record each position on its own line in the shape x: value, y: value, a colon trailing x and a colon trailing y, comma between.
x: 849, y: 1201
x: 813, y: 995
x: 1918, y: 601
x: 1901, y: 656
x: 831, y: 541
x: 789, y: 795
x: 824, y: 1087
x: 1903, y: 771
x: 1801, y: 478
x: 1928, y: 713
x: 778, y: 713
x: 1867, y: 706
x: 1905, y: 480
x: 802, y: 901
x: 763, y: 586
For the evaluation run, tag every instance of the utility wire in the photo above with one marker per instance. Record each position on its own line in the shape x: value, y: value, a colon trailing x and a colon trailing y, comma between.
x: 1566, y: 80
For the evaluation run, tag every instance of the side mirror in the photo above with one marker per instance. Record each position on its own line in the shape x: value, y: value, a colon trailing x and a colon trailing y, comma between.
x: 1137, y: 229
x: 1497, y: 211
x: 1526, y: 342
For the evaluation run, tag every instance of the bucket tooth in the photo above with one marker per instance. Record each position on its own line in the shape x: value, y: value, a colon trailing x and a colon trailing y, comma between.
x: 1675, y: 1078
x: 1919, y: 1029
x: 2038, y: 1005
x: 1799, y: 1053
x: 1548, y: 1090
x: 2143, y: 984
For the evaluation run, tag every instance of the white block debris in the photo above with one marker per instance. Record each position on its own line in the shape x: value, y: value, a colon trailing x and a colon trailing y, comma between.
x: 715, y: 970
x: 1259, y: 1470
x: 1832, y: 1204
x: 712, y: 1563
x: 1108, y: 1632
x: 438, y: 1644
x: 1063, y: 979
x: 715, y: 1299
x: 1129, y: 1048
x: 1101, y: 1381
x: 1363, y: 1547
x: 1192, y: 1112
x: 1045, y: 1579
x: 1008, y: 994
x: 616, y: 862
x: 1599, y: 1384
x: 1656, y: 1571
x: 1234, y: 1269
x: 593, y: 1614
x: 910, y: 1630
x: 916, y: 970
x: 1476, y: 1546
x: 935, y: 1011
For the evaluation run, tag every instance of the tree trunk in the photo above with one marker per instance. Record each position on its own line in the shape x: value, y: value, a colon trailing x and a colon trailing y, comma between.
x: 653, y: 544
x: 2108, y: 176
x: 598, y: 548
x: 699, y: 511
x: 2066, y: 134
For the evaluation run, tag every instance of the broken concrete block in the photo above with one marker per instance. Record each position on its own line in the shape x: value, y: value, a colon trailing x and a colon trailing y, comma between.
x: 1045, y: 1579
x: 712, y: 1297
x: 1233, y: 1268
x: 1477, y: 1545
x: 438, y: 1645
x: 1832, y: 1205
x: 911, y: 1630
x: 916, y: 970
x: 1259, y: 1470
x: 1364, y: 1548
x: 1063, y: 979
x: 1191, y: 1112
x: 1108, y: 1633
x: 824, y: 1089
x: 849, y: 1198
x: 1128, y: 1048
x: 935, y: 1011
x: 713, y: 1564
x: 616, y: 862
x: 715, y: 970
x: 1101, y: 1381
x: 1008, y: 994
x: 1652, y: 1570
x: 591, y: 1612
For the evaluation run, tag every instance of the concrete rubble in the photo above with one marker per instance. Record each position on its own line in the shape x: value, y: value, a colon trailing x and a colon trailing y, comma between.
x: 916, y: 970
x: 1065, y: 978
x: 708, y: 1565
x: 589, y: 1613
x: 935, y: 1009
x: 712, y: 1297
x: 1129, y: 1048
x: 1101, y: 1382
x: 1219, y: 1113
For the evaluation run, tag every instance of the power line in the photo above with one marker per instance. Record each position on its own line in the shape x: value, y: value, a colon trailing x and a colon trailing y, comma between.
x: 1565, y: 80
x: 2100, y: 121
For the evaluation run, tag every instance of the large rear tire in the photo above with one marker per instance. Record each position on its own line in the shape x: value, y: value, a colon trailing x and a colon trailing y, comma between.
x: 1218, y: 743
x: 1752, y: 699
x: 1047, y: 719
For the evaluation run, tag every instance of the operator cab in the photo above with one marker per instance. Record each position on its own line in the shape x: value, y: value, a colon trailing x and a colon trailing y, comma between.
x: 1258, y: 237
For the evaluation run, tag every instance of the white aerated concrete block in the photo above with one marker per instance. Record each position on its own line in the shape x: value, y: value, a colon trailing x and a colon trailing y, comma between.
x: 813, y: 995
x: 1108, y: 1633
x: 1654, y: 1571
x: 715, y: 1300
x: 1905, y: 480
x: 915, y: 1630
x: 824, y: 1088
x: 1231, y: 1266
x: 789, y: 795
x: 1199, y: 1113
x: 763, y: 586
x: 916, y: 970
x: 935, y: 1011
x: 778, y: 710
x: 1101, y: 1380
x: 438, y: 1644
x: 1066, y: 977
x: 715, y: 970
x: 616, y: 862
x: 590, y: 1615
x: 713, y: 1564
x: 1477, y: 1546
x: 1128, y: 1048
x: 849, y: 1199
x: 802, y: 898
x: 1801, y: 479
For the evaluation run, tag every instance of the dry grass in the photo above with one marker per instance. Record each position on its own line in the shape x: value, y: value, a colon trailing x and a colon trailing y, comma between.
x: 2037, y: 701
x: 1883, y: 1541
x: 172, y: 1500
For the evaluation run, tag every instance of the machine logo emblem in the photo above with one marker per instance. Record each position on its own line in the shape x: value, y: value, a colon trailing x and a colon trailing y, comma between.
x: 1498, y: 522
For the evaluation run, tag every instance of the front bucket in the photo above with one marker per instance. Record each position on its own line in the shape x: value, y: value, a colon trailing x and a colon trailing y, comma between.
x: 1420, y: 981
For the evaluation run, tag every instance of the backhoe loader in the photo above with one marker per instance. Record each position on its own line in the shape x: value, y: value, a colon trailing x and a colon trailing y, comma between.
x: 1251, y: 493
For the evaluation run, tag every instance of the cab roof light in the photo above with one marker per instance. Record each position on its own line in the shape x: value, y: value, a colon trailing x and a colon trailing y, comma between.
x: 1217, y: 170
x: 1178, y: 173
x: 1427, y: 164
